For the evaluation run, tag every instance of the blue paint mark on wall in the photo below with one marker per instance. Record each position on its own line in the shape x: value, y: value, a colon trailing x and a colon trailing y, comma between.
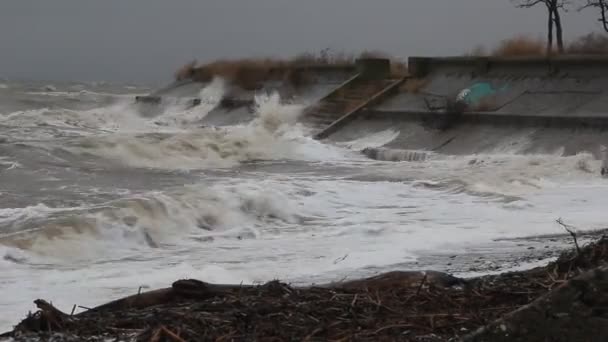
x: 477, y: 92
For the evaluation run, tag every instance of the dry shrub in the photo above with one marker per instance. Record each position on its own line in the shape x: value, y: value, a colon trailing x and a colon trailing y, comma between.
x: 520, y: 46
x: 246, y: 73
x: 249, y: 74
x: 324, y: 57
x: 374, y: 54
x: 186, y: 71
x: 589, y: 44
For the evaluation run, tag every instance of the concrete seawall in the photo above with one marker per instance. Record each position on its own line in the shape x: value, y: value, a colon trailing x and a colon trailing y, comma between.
x: 557, y: 105
x: 560, y: 92
x: 523, y: 105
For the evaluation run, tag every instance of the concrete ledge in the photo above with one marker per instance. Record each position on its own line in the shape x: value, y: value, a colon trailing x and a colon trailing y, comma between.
x: 502, y: 119
x: 422, y: 66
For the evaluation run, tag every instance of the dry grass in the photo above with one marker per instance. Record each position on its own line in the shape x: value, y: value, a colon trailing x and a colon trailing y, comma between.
x: 324, y: 57
x: 186, y: 71
x: 250, y: 73
x: 247, y: 73
x: 589, y: 44
x: 520, y: 46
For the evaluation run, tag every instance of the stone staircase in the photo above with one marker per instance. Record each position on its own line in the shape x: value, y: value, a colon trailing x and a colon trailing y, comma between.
x: 346, y: 101
x: 343, y: 101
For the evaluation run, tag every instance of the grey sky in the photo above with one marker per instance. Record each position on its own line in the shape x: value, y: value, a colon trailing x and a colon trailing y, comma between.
x: 146, y: 40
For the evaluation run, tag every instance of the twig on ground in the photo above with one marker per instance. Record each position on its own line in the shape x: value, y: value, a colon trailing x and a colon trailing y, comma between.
x: 421, y: 284
x: 570, y: 229
x: 391, y: 326
x: 352, y: 304
x: 171, y: 334
x: 341, y: 259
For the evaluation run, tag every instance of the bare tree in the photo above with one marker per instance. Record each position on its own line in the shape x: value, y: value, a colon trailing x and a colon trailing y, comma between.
x: 602, y: 7
x: 554, y: 20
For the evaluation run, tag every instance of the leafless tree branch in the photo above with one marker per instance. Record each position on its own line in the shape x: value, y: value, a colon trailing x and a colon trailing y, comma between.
x: 602, y: 7
x: 571, y: 230
x: 554, y: 7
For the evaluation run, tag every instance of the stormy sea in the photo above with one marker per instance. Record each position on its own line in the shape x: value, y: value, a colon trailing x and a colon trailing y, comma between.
x: 99, y: 199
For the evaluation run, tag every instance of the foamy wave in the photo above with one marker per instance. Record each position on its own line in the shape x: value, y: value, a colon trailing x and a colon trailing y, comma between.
x: 20, y: 215
x: 272, y: 135
x: 122, y: 116
x: 9, y: 165
x: 180, y: 114
x: 82, y: 94
x: 506, y: 175
x: 146, y: 221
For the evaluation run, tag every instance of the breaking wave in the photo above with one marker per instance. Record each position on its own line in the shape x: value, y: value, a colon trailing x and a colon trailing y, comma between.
x: 509, y: 177
x: 150, y: 220
x: 273, y: 135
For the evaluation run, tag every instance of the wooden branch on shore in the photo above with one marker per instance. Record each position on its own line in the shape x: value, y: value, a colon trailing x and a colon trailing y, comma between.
x: 572, y: 233
x: 186, y: 289
x: 137, y: 301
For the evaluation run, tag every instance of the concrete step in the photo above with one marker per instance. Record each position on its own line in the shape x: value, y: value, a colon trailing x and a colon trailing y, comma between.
x: 321, y: 115
x: 332, y: 109
x: 337, y: 101
x: 344, y: 101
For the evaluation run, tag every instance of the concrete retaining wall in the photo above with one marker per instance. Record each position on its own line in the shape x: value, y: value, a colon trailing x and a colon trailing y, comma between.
x: 562, y: 91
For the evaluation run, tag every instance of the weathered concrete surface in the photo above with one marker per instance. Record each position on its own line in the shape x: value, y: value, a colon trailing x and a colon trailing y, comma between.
x: 576, y: 311
x: 561, y: 91
x: 470, y: 138
x: 557, y: 106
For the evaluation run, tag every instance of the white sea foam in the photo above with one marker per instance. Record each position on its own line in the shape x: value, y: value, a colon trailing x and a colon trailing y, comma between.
x: 272, y: 135
x: 250, y: 226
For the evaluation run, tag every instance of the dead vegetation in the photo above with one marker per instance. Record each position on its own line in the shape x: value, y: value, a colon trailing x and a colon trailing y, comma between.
x: 520, y: 46
x: 250, y: 73
x: 589, y: 44
x: 396, y: 306
x: 523, y: 46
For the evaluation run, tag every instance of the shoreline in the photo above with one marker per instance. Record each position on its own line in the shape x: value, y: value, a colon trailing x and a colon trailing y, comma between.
x: 408, y: 306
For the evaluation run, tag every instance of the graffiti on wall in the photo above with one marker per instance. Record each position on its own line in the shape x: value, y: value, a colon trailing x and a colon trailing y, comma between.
x: 481, y: 95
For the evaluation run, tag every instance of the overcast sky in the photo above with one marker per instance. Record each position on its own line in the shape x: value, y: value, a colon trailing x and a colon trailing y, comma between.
x: 146, y: 40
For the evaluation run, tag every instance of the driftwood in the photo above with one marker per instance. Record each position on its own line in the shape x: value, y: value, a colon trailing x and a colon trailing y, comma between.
x: 139, y: 301
x: 578, y: 306
x: 181, y: 289
x: 401, y: 279
x: 395, y: 306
